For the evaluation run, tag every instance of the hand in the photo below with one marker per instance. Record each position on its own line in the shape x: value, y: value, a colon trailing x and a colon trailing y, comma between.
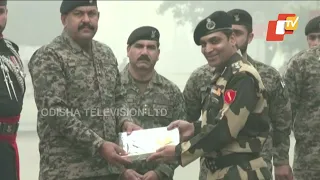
x: 283, y: 172
x: 130, y: 174
x: 113, y: 154
x: 164, y: 154
x: 129, y: 127
x: 186, y: 129
x: 150, y: 175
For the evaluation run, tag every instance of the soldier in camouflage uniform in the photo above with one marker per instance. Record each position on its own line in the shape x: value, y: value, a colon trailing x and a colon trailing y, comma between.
x: 278, y: 143
x: 160, y: 100
x: 77, y: 90
x: 280, y: 112
x: 303, y: 81
x: 312, y: 31
x: 235, y: 122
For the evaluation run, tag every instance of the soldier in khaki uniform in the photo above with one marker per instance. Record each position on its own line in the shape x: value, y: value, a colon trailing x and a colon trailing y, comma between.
x: 235, y: 123
x: 77, y: 88
x: 279, y: 111
x: 278, y: 144
x: 153, y: 100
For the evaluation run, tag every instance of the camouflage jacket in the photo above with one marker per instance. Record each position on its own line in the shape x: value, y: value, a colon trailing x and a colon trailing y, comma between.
x: 76, y: 95
x: 198, y: 88
x: 158, y: 106
x: 279, y: 112
x: 235, y: 113
x: 302, y: 78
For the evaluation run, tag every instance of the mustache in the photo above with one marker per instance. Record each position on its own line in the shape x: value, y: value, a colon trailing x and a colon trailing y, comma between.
x: 144, y: 57
x: 85, y: 25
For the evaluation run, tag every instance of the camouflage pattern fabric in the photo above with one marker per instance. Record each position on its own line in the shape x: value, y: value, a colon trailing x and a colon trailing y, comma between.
x: 161, y: 103
x: 279, y: 110
x: 76, y: 95
x: 109, y: 177
x: 197, y: 89
x: 278, y: 144
x: 302, y: 78
x: 234, y: 121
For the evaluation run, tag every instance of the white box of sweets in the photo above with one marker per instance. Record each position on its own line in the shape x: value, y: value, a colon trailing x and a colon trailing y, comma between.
x: 142, y: 143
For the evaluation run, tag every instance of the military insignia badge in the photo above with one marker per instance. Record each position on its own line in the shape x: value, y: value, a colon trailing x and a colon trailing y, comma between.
x: 236, y: 65
x: 229, y: 96
x: 210, y: 24
x: 153, y: 34
x: 236, y: 17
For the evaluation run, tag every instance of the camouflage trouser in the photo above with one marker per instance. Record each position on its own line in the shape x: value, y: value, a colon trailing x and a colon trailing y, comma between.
x: 267, y: 153
x: 302, y: 174
x: 109, y: 177
x: 257, y: 171
x: 203, y: 170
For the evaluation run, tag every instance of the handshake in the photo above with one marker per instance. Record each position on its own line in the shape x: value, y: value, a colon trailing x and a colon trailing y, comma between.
x: 116, y: 155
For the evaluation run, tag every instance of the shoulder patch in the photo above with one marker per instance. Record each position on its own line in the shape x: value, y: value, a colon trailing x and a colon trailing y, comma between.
x: 236, y: 65
x: 229, y: 96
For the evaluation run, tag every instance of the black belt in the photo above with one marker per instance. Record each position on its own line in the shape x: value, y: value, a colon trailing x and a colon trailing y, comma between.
x: 241, y: 159
x: 6, y: 128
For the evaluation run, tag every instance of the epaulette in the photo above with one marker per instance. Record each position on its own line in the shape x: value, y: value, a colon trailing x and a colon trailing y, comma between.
x: 241, y: 66
x: 14, y: 45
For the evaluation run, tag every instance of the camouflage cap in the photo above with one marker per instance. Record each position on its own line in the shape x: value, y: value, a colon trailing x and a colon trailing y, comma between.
x: 144, y: 33
x: 217, y: 21
x: 69, y: 5
x: 313, y: 26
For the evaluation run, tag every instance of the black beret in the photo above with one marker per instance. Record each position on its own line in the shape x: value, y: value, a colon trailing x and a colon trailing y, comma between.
x: 3, y: 2
x: 217, y: 21
x: 144, y: 33
x: 313, y: 26
x: 241, y: 17
x: 69, y: 5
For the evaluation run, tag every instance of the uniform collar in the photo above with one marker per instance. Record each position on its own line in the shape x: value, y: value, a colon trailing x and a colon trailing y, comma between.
x: 234, y: 58
x: 127, y: 78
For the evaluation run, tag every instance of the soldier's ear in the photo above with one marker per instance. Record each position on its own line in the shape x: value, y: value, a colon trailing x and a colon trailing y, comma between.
x: 128, y: 50
x: 64, y: 19
x: 250, y: 37
x: 158, y: 54
x: 232, y: 39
